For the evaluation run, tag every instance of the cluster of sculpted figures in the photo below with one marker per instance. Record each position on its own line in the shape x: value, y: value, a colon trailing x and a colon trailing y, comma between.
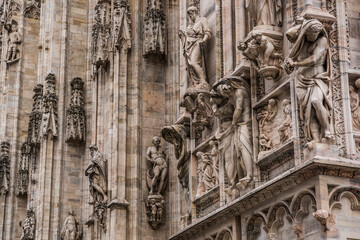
x: 230, y: 96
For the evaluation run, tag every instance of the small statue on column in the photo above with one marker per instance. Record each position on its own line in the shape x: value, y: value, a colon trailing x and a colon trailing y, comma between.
x: 97, y: 172
x: 156, y: 182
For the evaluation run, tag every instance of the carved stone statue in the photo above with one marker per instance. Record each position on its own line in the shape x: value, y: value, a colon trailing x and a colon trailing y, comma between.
x: 231, y: 104
x: 354, y: 104
x: 28, y: 227
x: 158, y: 174
x: 97, y: 173
x: 14, y: 41
x: 265, y: 52
x: 197, y: 33
x: 265, y: 12
x: 266, y: 118
x: 208, y: 176
x: 71, y: 229
x: 309, y: 56
x: 215, y: 160
x: 285, y: 127
x: 176, y: 135
x: 155, y: 208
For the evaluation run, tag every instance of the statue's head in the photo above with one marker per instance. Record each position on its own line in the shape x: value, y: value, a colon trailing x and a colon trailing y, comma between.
x: 257, y: 35
x: 286, y: 102
x: 312, y: 34
x: 272, y: 102
x: 193, y: 12
x: 93, y: 148
x: 14, y: 26
x: 71, y: 212
x: 226, y: 90
x: 357, y: 83
x: 156, y: 141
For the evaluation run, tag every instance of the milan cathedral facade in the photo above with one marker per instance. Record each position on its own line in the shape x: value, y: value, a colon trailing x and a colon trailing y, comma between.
x: 179, y: 119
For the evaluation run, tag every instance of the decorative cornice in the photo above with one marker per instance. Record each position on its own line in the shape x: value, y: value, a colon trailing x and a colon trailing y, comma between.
x: 318, y: 166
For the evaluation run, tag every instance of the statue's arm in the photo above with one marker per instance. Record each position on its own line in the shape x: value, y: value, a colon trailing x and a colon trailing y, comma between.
x: 148, y: 154
x: 238, y: 106
x: 207, y: 31
x: 318, y: 52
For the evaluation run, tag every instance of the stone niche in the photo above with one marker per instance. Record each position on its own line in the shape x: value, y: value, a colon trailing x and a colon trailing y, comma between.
x: 354, y: 93
x: 275, y: 144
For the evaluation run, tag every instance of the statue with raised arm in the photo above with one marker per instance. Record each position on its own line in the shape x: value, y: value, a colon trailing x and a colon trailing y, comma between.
x: 231, y: 103
x: 97, y: 173
x: 310, y: 57
x: 158, y: 173
x: 193, y: 39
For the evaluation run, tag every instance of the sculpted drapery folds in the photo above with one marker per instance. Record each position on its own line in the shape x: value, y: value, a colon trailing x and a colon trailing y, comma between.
x: 310, y: 56
x: 71, y: 229
x: 197, y: 33
x: 231, y: 104
x: 265, y: 12
x: 97, y: 173
x: 157, y: 174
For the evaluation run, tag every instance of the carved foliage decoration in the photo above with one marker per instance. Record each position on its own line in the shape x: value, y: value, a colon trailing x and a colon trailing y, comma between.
x: 122, y: 25
x: 154, y: 29
x: 49, y: 122
x: 32, y: 9
x: 23, y: 170
x: 4, y: 168
x: 35, y: 117
x: 101, y: 34
x: 76, y: 119
x: 336, y: 75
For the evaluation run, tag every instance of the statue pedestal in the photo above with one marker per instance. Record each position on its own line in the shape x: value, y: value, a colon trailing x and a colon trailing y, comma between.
x: 321, y: 150
x: 155, y: 207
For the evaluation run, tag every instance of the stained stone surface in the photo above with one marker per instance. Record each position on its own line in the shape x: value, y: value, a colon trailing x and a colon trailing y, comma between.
x: 256, y: 105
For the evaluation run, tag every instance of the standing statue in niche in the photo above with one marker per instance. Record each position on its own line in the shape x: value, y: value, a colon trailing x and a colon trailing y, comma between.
x: 29, y: 226
x: 156, y: 182
x: 14, y: 40
x: 285, y: 127
x: 97, y: 173
x: 354, y: 104
x: 71, y: 229
x: 310, y: 56
x: 265, y: 12
x: 157, y: 175
x: 197, y: 33
x: 215, y: 160
x: 231, y: 104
